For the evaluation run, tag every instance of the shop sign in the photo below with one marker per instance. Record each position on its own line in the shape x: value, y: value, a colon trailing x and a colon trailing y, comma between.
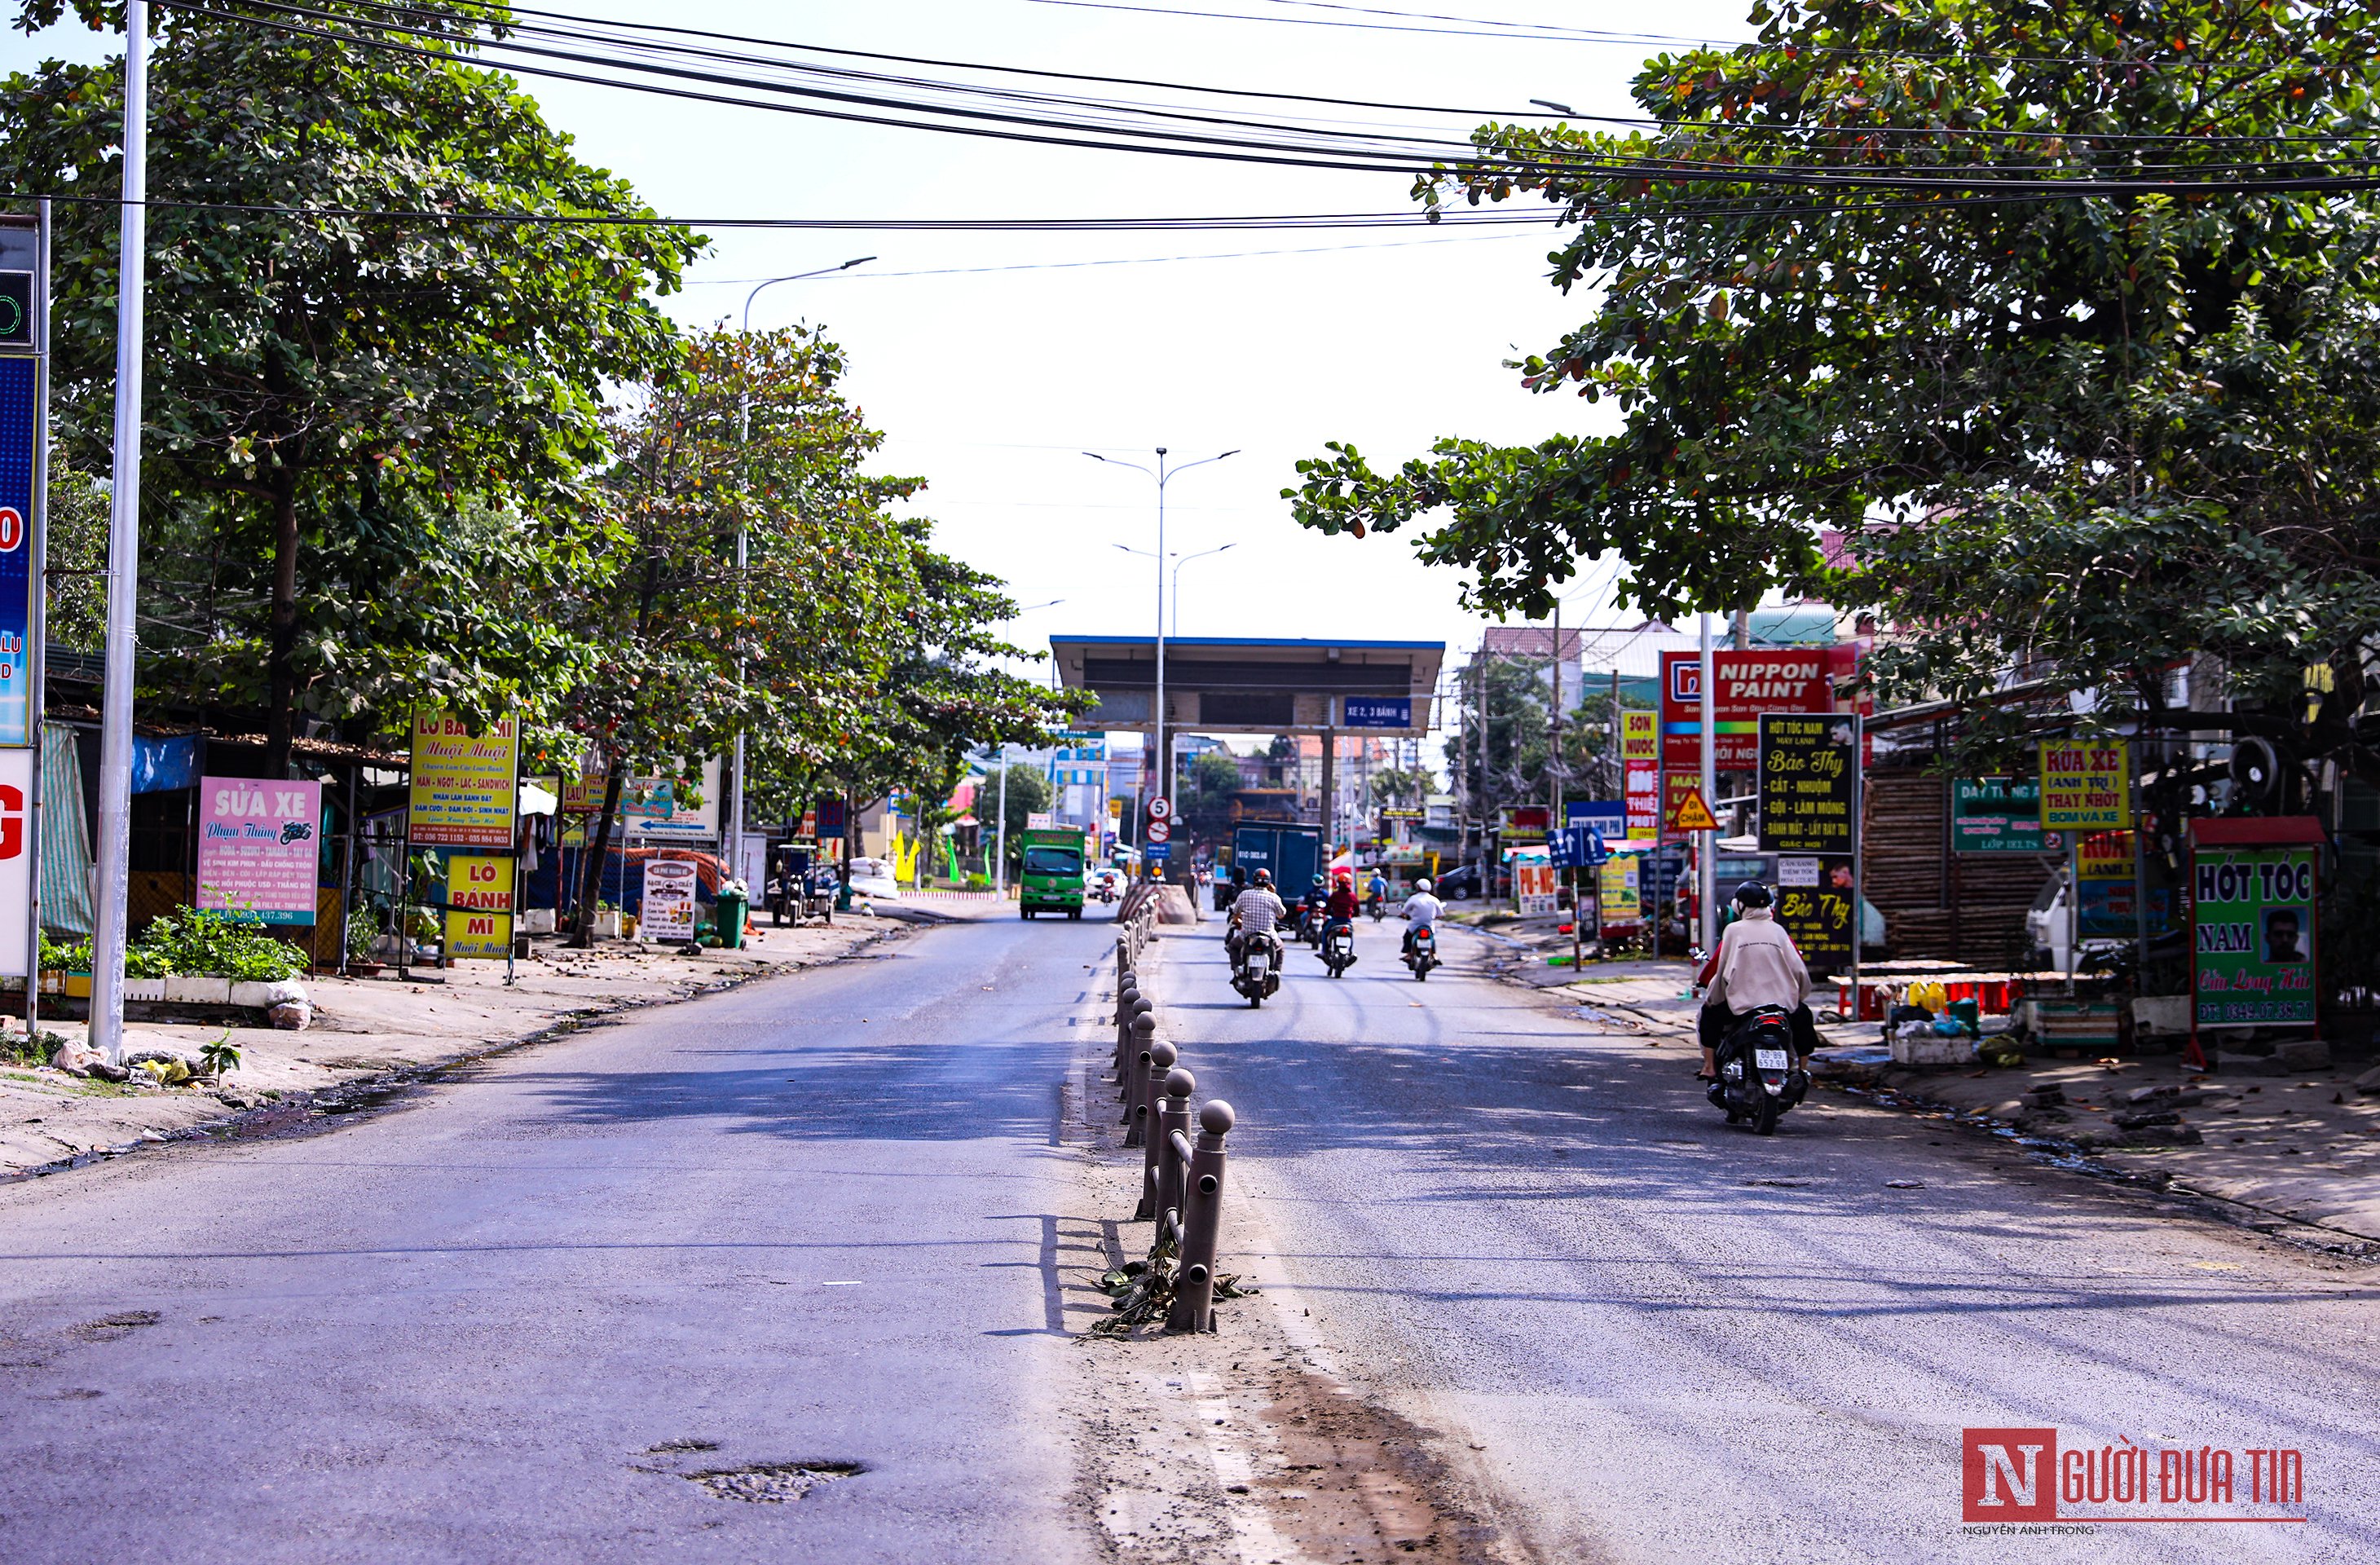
x: 479, y: 907
x: 1749, y: 685
x: 668, y: 914
x: 1640, y: 737
x: 2085, y: 786
x: 1809, y: 784
x: 465, y: 784
x: 16, y: 860
x: 1533, y: 893
x: 1999, y: 815
x: 2253, y: 936
x: 21, y: 416
x: 1616, y: 883
x: 1643, y: 800
x: 259, y: 846
x: 1815, y: 897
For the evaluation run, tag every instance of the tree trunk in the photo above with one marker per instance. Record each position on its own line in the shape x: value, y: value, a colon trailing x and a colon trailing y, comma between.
x: 591, y: 874
x: 280, y: 671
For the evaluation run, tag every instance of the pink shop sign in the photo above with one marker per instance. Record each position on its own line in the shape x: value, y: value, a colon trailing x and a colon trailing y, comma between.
x: 259, y: 843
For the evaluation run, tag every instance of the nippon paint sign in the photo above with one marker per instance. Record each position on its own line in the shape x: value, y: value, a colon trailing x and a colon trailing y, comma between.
x: 1748, y: 684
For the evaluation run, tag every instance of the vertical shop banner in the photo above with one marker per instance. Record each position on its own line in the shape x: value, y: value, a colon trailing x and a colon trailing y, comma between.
x: 1644, y: 801
x: 464, y: 783
x: 20, y: 413
x: 2085, y: 786
x: 1999, y: 815
x: 1809, y: 784
x: 16, y: 860
x: 2253, y: 936
x: 478, y: 908
x: 1749, y: 685
x: 1816, y: 895
x: 1640, y: 737
x: 668, y: 913
x: 1616, y: 883
x: 1532, y: 887
x: 259, y: 845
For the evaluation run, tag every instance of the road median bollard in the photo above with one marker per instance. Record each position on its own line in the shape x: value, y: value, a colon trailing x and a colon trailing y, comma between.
x: 1146, y: 1108
x: 1202, y: 1223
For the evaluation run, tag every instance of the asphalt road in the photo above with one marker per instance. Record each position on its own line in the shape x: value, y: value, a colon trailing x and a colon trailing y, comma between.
x: 813, y: 1220
x: 1538, y: 1240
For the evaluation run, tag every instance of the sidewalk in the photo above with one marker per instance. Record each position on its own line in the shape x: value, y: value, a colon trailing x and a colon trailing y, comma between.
x: 2305, y: 1147
x: 366, y: 1029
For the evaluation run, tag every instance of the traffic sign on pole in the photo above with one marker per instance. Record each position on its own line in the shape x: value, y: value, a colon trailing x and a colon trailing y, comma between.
x: 1161, y: 808
x: 1159, y: 832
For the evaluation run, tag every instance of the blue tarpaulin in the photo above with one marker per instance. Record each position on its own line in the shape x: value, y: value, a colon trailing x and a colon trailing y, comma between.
x: 162, y: 765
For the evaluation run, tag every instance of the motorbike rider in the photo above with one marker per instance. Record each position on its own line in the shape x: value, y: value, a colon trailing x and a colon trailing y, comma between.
x: 1755, y: 964
x: 1376, y: 889
x: 1421, y: 912
x: 1255, y: 911
x: 1339, y: 908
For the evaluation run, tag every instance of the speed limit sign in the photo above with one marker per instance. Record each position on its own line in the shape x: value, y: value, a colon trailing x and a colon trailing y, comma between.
x: 1159, y: 832
x: 1161, y: 808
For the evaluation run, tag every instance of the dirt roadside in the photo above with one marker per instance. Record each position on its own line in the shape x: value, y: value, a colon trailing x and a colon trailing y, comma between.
x: 1248, y: 1443
x: 369, y: 1032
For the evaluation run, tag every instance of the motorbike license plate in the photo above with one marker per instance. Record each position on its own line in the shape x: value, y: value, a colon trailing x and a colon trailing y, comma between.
x: 1768, y: 1059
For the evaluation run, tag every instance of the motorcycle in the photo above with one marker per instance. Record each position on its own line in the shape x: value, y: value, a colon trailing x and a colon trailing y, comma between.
x: 1310, y: 920
x: 1421, y: 953
x: 1104, y: 888
x: 1758, y: 1080
x: 1377, y: 906
x: 1256, y: 971
x: 1338, y: 947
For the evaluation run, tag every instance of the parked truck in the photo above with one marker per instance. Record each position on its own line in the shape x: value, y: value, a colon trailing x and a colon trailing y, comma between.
x: 1053, y: 877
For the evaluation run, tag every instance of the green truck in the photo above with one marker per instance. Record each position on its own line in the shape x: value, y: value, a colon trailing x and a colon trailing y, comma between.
x: 1053, y: 880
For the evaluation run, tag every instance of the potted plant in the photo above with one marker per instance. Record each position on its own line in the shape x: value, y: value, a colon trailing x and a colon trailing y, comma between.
x: 146, y: 969
x: 363, y: 943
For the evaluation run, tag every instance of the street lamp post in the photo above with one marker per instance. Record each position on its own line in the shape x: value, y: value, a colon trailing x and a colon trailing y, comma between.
x: 1179, y: 561
x: 110, y: 912
x: 742, y: 438
x: 1163, y: 475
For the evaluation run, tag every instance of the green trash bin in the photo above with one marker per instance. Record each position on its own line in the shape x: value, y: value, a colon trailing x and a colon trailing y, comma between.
x: 733, y: 907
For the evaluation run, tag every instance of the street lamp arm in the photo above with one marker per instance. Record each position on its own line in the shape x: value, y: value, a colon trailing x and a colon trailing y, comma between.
x: 795, y: 277
x: 1120, y: 462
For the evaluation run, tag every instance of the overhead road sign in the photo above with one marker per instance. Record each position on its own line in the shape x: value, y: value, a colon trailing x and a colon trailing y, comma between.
x: 1246, y: 685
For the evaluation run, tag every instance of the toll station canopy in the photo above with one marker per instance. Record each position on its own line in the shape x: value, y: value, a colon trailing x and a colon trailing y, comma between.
x: 1237, y: 684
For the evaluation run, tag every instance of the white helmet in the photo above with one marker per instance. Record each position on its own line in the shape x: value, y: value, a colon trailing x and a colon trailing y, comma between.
x: 1422, y: 884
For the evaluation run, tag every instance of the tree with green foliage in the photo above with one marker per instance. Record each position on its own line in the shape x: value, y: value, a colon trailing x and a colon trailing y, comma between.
x: 355, y: 424
x: 2013, y: 296
x: 1205, y: 791
x: 855, y: 657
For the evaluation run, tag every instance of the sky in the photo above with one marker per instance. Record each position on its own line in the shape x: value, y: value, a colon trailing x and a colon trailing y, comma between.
x: 994, y: 360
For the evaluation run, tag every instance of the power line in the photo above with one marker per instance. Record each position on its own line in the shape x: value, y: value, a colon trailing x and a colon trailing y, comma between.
x: 1339, y: 150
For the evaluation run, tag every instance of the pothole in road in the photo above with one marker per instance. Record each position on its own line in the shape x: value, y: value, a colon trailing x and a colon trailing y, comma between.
x: 116, y: 1328
x: 772, y: 1482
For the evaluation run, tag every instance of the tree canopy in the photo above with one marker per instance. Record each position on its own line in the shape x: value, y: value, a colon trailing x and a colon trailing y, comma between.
x: 2063, y: 317
x: 387, y: 298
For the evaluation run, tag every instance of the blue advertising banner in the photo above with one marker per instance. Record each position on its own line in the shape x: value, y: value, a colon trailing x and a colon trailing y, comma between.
x: 1379, y: 711
x: 20, y: 411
